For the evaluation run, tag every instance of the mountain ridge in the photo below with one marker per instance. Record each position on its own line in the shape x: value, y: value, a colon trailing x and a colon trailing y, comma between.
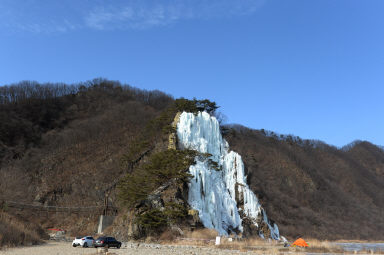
x: 57, y: 154
x: 319, y: 186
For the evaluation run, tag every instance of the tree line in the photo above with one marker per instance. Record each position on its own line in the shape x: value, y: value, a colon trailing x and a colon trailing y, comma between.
x: 24, y: 91
x: 28, y: 109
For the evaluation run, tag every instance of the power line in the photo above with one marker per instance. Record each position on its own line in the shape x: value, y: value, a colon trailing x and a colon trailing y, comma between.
x: 51, y: 208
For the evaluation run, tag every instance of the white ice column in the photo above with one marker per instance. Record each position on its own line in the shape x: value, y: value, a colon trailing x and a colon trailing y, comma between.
x: 213, y: 192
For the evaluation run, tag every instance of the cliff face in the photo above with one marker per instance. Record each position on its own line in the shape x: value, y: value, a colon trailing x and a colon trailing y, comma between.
x: 218, y: 189
x: 215, y: 195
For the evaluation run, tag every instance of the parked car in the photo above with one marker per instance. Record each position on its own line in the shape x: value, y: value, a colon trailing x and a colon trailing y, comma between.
x: 86, y: 241
x: 107, y: 241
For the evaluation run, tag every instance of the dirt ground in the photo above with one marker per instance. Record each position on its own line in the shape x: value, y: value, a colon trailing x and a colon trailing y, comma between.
x: 65, y: 248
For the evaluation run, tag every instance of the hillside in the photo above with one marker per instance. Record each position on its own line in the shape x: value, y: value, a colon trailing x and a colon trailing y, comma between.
x: 313, y: 189
x: 68, y: 145
x: 67, y: 150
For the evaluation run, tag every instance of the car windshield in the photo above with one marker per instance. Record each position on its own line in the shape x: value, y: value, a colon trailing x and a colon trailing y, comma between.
x: 79, y: 237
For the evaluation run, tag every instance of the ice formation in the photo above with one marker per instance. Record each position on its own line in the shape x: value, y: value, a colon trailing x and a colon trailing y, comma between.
x: 222, y: 197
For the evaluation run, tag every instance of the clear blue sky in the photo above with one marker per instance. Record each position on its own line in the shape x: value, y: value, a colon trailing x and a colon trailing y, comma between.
x: 312, y: 68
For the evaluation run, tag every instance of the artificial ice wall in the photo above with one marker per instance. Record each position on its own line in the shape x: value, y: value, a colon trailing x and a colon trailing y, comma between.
x: 220, y: 194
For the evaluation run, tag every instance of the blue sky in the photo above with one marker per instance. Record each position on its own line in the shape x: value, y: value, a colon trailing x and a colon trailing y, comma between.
x: 312, y: 68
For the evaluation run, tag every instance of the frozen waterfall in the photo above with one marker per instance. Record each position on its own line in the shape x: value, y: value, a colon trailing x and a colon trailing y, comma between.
x: 222, y: 197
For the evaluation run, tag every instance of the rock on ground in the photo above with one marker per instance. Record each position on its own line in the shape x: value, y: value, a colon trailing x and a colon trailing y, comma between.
x: 65, y: 248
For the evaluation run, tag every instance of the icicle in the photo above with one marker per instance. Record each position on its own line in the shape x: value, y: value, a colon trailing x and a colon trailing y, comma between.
x: 213, y: 194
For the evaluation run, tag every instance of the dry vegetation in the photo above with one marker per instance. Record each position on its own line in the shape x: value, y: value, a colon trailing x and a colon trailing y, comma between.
x: 200, y: 237
x: 206, y: 238
x: 312, y: 189
x: 14, y: 231
x: 273, y: 247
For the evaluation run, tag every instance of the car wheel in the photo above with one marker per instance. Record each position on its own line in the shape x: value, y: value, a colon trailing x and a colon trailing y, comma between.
x: 74, y: 245
x: 85, y: 245
x: 106, y: 246
x: 118, y: 246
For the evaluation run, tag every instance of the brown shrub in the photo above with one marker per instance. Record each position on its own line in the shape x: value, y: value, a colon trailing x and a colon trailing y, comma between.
x: 169, y: 235
x: 205, y: 233
x: 14, y: 232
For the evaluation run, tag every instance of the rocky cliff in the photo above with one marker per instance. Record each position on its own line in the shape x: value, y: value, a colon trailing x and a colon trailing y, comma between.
x: 218, y: 189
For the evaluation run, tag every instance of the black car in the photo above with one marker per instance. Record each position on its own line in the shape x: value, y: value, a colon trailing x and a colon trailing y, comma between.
x: 107, y: 241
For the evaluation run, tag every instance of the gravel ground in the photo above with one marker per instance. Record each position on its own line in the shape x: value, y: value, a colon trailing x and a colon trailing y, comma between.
x: 65, y: 248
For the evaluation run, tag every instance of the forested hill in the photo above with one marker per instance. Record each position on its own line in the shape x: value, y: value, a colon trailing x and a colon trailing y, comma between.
x: 28, y: 110
x: 63, y: 145
x: 314, y: 189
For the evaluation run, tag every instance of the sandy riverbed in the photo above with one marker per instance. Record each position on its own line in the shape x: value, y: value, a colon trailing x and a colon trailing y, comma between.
x: 65, y: 248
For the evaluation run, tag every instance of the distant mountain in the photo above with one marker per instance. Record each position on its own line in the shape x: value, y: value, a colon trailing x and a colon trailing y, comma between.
x: 69, y: 146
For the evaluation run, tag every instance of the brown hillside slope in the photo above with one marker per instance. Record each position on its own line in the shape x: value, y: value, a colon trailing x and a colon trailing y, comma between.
x: 15, y: 231
x: 312, y: 189
x: 76, y: 152
x: 63, y: 146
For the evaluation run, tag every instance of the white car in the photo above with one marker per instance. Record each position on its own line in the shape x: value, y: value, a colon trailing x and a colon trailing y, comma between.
x: 86, y: 241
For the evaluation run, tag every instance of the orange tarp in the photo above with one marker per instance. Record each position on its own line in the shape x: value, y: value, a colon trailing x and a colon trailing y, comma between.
x: 300, y: 242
